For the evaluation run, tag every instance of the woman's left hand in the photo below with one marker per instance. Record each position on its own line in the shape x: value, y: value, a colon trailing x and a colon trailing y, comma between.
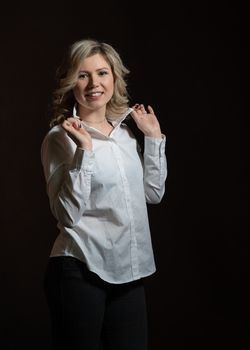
x: 146, y: 121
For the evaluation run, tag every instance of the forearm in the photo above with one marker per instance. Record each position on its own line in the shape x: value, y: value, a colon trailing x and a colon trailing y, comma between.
x: 155, y: 169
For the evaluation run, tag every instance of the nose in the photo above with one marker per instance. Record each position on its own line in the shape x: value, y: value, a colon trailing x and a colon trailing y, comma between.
x: 93, y: 81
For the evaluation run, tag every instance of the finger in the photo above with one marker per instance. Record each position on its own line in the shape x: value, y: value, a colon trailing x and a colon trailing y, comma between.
x: 151, y: 110
x: 77, y: 124
x: 136, y: 106
x: 66, y: 124
x: 73, y: 119
x: 143, y: 110
x: 134, y: 115
x: 70, y: 125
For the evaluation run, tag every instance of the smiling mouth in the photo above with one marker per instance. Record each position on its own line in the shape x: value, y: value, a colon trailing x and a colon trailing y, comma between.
x: 94, y: 94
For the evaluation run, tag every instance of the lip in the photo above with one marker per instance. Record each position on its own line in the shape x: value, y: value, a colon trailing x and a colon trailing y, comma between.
x: 94, y: 94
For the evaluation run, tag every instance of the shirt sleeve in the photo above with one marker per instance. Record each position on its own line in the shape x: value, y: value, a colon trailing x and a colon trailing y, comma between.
x: 68, y: 172
x: 155, y: 168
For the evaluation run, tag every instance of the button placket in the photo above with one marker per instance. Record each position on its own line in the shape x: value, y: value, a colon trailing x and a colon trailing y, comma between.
x: 133, y: 246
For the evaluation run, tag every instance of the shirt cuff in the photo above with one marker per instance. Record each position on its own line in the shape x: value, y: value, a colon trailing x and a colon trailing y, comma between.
x: 154, y: 146
x: 83, y: 160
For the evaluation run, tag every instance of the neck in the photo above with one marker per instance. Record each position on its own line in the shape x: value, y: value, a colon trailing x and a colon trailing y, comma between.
x: 94, y: 121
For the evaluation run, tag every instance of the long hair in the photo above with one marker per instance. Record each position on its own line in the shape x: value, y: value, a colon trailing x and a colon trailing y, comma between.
x: 67, y: 73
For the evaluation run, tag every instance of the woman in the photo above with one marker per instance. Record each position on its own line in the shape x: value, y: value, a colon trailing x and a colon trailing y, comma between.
x: 98, y: 185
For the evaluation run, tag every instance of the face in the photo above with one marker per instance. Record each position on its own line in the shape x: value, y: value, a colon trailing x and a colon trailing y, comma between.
x: 95, y: 84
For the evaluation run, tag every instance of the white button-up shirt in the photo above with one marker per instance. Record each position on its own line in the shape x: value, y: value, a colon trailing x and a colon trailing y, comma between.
x: 99, y: 199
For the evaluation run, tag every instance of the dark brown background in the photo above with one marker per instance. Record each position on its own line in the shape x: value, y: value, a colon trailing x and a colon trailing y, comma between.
x: 189, y: 61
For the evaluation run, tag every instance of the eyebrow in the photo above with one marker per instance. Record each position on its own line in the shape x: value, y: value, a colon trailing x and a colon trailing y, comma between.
x: 85, y: 71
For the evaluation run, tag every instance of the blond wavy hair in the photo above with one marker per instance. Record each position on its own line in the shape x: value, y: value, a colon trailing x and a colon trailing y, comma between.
x: 67, y: 74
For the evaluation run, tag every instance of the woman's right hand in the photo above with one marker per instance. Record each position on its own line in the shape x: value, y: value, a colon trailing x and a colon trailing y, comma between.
x: 78, y: 133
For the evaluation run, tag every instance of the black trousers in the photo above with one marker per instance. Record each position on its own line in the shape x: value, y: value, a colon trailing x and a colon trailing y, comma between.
x: 88, y: 313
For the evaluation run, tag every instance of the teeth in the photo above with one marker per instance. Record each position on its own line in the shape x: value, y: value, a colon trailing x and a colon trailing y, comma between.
x: 95, y: 94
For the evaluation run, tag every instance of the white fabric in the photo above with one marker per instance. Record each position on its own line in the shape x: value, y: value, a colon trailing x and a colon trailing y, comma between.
x: 99, y: 199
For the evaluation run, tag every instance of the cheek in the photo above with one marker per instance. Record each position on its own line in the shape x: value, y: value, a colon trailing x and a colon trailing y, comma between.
x: 77, y: 91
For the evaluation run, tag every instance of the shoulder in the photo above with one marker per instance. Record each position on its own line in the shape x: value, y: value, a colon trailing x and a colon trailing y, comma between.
x: 133, y: 131
x: 55, y: 135
x: 55, y: 132
x: 126, y: 129
x: 56, y: 141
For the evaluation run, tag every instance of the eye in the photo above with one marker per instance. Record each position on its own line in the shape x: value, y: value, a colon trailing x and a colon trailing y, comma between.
x: 103, y: 72
x: 82, y: 75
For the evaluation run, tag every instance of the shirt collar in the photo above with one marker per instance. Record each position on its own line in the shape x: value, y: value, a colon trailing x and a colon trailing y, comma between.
x: 117, y: 121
